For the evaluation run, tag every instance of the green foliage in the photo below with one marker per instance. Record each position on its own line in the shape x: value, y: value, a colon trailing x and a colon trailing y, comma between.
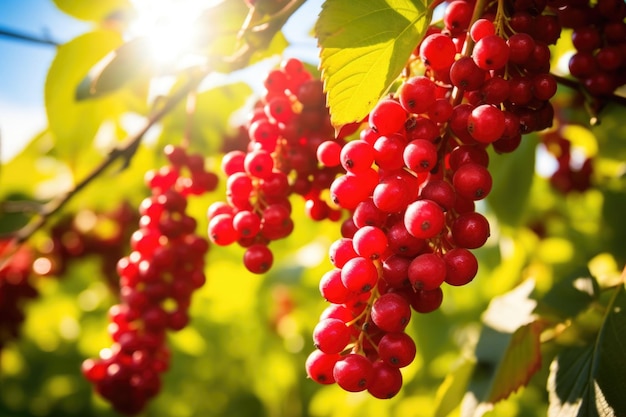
x: 588, y: 380
x: 352, y: 37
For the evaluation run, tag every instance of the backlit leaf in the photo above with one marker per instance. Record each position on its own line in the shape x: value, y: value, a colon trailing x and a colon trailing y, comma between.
x: 92, y: 10
x: 364, y: 47
x: 508, y: 350
x: 116, y: 69
x: 520, y: 362
x: 453, y: 388
x: 589, y: 381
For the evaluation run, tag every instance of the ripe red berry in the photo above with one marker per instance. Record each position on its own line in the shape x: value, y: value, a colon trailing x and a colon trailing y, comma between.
x: 491, y: 52
x: 424, y: 219
x: 353, y: 372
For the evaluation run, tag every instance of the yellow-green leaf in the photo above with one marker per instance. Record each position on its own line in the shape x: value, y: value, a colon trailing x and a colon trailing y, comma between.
x: 116, y: 69
x: 364, y: 47
x: 73, y: 123
x: 92, y: 10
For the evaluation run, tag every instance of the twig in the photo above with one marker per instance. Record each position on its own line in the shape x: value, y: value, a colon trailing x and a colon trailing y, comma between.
x: 10, y: 33
x: 125, y: 151
x: 131, y: 143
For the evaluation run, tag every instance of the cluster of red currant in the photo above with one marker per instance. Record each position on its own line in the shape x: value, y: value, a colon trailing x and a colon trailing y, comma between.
x: 284, y: 131
x: 412, y: 180
x: 15, y: 288
x: 87, y: 233
x: 157, y: 280
x: 573, y: 173
x: 599, y: 37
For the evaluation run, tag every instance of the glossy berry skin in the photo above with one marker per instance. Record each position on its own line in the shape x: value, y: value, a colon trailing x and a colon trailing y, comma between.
x: 331, y: 335
x: 258, y: 258
x: 397, y: 349
x: 386, y: 381
x: 470, y: 230
x: 491, y: 53
x: 353, y: 372
x: 427, y: 272
x: 319, y: 367
x: 486, y: 123
x: 420, y: 155
x: 387, y: 117
x: 391, y: 312
x: 472, y: 181
x: 359, y: 275
x: 437, y: 51
x: 417, y: 94
x: 424, y: 219
x: 462, y: 266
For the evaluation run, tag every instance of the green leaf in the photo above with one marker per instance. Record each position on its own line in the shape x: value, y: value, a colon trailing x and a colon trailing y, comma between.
x: 92, y: 10
x: 571, y: 295
x: 589, y: 381
x: 73, y: 123
x: 519, y: 363
x: 508, y: 350
x: 209, y: 122
x: 452, y: 390
x: 116, y: 69
x: 512, y: 178
x: 364, y: 47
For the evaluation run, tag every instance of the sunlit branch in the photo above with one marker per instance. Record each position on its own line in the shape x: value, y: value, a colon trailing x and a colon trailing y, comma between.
x: 13, y: 34
x: 123, y: 152
x: 129, y: 146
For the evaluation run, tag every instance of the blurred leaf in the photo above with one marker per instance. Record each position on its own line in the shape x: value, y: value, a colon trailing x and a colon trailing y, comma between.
x: 453, y: 388
x: 509, y: 311
x: 361, y: 56
x: 614, y: 227
x: 92, y: 10
x: 74, y: 124
x: 512, y: 179
x: 209, y: 122
x: 116, y: 69
x: 589, y: 381
x: 521, y: 360
x: 571, y: 295
x: 508, y: 350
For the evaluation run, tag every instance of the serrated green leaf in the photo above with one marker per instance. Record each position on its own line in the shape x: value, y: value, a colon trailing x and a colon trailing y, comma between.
x: 512, y: 178
x: 92, y: 10
x: 453, y: 388
x: 571, y: 295
x: 364, y: 47
x: 589, y: 381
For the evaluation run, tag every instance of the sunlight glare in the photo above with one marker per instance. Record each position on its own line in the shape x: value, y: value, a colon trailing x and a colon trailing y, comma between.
x: 169, y: 26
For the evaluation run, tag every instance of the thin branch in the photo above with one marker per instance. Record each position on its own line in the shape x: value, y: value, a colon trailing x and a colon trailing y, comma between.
x: 125, y: 152
x: 131, y: 143
x: 26, y: 37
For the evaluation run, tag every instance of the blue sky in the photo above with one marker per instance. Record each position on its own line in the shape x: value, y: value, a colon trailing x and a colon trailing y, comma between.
x: 24, y: 65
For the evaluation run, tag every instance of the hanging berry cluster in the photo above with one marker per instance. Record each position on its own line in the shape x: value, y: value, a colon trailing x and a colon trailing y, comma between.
x: 284, y: 130
x: 412, y: 180
x: 157, y: 280
x: 16, y: 288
